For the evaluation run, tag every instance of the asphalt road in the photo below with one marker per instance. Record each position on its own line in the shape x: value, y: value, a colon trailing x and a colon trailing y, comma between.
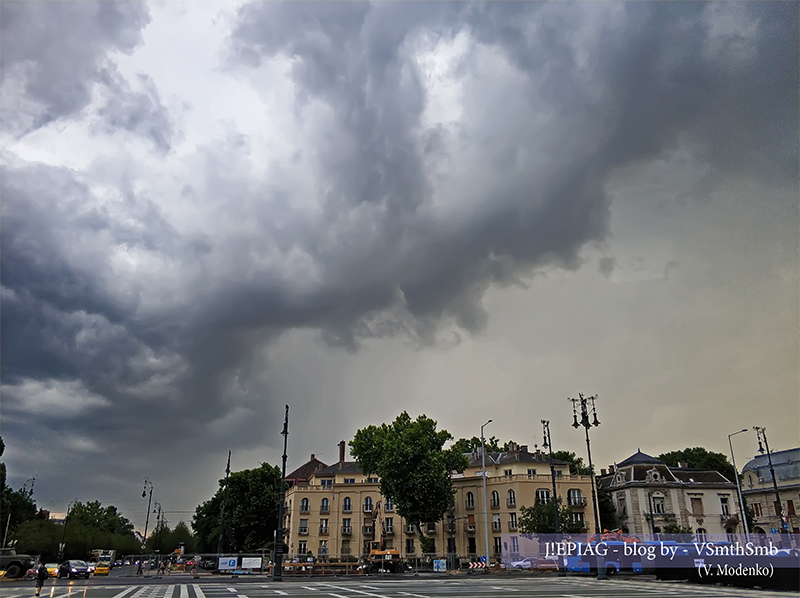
x: 423, y: 586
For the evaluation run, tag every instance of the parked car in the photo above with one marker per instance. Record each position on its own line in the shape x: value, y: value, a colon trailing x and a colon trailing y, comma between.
x: 73, y: 570
x: 533, y: 562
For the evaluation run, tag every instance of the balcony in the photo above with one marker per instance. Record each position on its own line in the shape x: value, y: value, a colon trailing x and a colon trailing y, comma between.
x: 323, y: 530
x: 511, y: 503
x: 498, y: 527
x: 346, y: 509
x: 368, y: 530
x: 303, y: 531
x: 325, y: 509
x: 304, y: 510
x: 729, y: 519
x: 410, y: 529
x: 495, y: 504
x: 469, y: 506
x: 512, y: 525
x: 576, y: 501
x: 347, y: 530
x: 366, y: 509
x: 469, y: 527
x: 388, y: 530
x: 648, y: 516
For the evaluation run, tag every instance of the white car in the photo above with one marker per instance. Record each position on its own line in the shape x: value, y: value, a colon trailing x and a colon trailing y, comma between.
x: 534, y: 562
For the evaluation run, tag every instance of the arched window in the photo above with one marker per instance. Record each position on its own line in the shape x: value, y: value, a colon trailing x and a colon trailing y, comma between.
x: 701, y: 534
x: 304, y: 505
x: 512, y: 499
x: 470, y: 500
x: 368, y: 505
x: 542, y: 495
x: 575, y: 498
x: 347, y: 505
x: 325, y: 506
x: 495, y: 499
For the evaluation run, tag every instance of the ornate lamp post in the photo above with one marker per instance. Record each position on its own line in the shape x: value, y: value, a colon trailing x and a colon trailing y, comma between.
x: 277, y: 572
x: 762, y: 435
x: 548, y: 444
x: 742, y: 507
x: 61, y: 546
x: 148, y: 487
x: 584, y: 411
x: 485, y: 500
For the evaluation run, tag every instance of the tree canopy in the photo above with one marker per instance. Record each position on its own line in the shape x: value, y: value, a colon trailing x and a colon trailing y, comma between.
x: 576, y: 466
x: 414, y: 469
x: 700, y: 458
x: 539, y: 519
x: 251, y: 511
x: 94, y: 515
x: 463, y: 445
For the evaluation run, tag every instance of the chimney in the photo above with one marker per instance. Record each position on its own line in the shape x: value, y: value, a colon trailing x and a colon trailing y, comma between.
x: 611, y: 469
x: 341, y: 451
x: 602, y: 472
x: 523, y: 448
x: 312, y: 457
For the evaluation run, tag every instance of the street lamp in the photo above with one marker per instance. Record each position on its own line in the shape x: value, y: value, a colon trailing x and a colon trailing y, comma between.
x: 61, y: 546
x: 148, y: 486
x: 583, y: 401
x: 762, y: 434
x: 739, y: 487
x: 485, y: 500
x: 277, y: 571
x: 548, y: 444
x: 159, y: 524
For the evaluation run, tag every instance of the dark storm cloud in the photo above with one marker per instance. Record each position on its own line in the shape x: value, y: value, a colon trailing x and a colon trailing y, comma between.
x: 189, y: 353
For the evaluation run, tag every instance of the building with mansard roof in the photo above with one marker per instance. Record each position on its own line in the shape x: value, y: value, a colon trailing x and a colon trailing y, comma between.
x: 648, y: 495
x: 759, y: 492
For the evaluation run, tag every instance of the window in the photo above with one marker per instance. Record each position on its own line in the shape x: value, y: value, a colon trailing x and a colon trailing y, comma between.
x: 410, y: 545
x: 389, y: 506
x: 757, y: 509
x: 514, y: 544
x: 471, y: 522
x: 302, y: 547
x: 512, y: 499
x: 323, y: 526
x: 372, y: 480
x: 574, y: 497
x: 507, y: 472
x: 498, y: 546
x: 368, y: 505
x: 790, y: 507
x: 701, y: 534
x: 431, y: 528
x: 349, y: 480
x: 390, y: 525
x: 324, y: 506
x: 543, y: 495
x: 326, y: 483
x: 471, y: 501
x: 496, y: 525
x: 345, y: 546
x: 723, y: 503
x: 303, y: 527
x: 304, y: 506
x: 697, y: 506
x: 496, y: 499
x: 512, y: 523
x: 658, y: 505
x: 347, y: 505
x: 533, y: 472
x: 346, y: 527
x: 623, y: 507
x: 577, y: 517
x: 472, y: 545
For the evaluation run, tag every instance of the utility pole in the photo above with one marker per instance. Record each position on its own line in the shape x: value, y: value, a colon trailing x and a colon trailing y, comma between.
x: 277, y: 572
x: 485, y: 500
x: 222, y: 511
x: 742, y: 506
x: 64, y: 531
x: 762, y: 434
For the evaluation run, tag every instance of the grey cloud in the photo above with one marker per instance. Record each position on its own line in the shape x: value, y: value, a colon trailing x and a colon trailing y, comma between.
x: 53, y: 54
x: 606, y: 265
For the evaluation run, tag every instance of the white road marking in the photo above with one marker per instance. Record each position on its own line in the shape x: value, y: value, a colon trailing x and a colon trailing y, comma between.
x: 231, y: 590
x: 123, y: 592
x: 197, y: 591
x: 184, y: 591
x: 311, y: 589
x: 410, y: 594
x: 354, y: 590
x: 280, y: 593
x: 169, y: 591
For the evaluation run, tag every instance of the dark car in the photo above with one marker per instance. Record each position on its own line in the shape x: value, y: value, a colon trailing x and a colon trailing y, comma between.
x: 74, y: 569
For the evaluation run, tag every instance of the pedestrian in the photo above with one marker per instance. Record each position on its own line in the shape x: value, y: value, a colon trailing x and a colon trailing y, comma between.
x: 41, y: 576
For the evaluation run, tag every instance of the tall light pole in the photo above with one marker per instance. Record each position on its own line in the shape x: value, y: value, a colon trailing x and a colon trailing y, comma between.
x: 148, y: 487
x: 548, y: 444
x: 222, y: 510
x: 583, y: 401
x: 277, y: 571
x: 739, y: 487
x: 61, y: 546
x: 762, y: 434
x: 485, y: 500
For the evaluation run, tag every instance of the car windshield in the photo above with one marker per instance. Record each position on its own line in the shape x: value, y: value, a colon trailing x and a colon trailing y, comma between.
x: 78, y: 563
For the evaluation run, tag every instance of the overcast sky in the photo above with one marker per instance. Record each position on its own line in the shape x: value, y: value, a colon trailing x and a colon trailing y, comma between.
x: 471, y: 211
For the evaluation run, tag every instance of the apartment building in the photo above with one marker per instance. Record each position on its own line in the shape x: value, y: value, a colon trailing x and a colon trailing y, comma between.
x: 330, y: 513
x: 759, y: 492
x: 648, y: 494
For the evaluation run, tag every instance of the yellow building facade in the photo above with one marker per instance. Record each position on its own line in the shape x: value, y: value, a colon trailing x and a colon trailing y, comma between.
x: 329, y: 514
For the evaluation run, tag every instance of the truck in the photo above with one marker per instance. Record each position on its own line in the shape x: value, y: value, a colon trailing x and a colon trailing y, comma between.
x: 381, y: 558
x: 15, y: 565
x: 100, y: 555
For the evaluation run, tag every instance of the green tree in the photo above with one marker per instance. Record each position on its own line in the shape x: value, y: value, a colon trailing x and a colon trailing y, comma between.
x: 94, y: 515
x: 576, y: 466
x: 675, y: 528
x: 251, y: 512
x: 538, y: 519
x: 701, y: 458
x: 414, y: 469
x: 606, y: 510
x: 462, y: 445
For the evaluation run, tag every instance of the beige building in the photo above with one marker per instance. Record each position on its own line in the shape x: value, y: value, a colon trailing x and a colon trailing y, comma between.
x: 759, y: 491
x: 330, y: 513
x: 648, y: 494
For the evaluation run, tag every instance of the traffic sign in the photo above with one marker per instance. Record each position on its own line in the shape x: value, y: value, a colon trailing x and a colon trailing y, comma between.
x: 785, y: 525
x: 483, y: 559
x: 477, y: 565
x: 773, y: 531
x: 144, y: 546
